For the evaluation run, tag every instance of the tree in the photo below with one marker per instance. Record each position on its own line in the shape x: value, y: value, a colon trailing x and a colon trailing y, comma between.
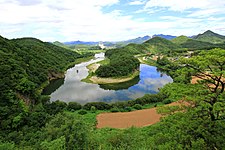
x: 209, y: 68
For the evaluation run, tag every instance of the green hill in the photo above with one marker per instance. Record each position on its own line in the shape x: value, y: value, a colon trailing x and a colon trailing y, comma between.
x: 210, y: 37
x: 161, y: 45
x: 199, y: 45
x: 180, y: 39
x: 57, y: 43
x: 28, y: 62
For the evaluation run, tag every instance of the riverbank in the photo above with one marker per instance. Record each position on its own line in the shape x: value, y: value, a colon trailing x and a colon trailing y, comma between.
x: 92, y: 78
x: 60, y: 75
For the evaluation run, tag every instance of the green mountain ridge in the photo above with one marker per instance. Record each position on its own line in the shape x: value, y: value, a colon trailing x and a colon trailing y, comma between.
x: 158, y: 44
x: 211, y: 37
x: 180, y: 39
x: 28, y: 62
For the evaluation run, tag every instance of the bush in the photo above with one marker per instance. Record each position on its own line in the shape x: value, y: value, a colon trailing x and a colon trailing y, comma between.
x: 137, y: 106
x: 72, y: 106
x: 56, y: 107
x: 93, y: 109
x: 167, y: 101
x: 115, y: 109
x: 82, y: 112
x: 127, y: 109
x: 120, y: 105
x: 97, y: 105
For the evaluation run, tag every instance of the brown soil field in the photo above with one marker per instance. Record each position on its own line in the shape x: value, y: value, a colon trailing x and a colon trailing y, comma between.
x: 138, y: 118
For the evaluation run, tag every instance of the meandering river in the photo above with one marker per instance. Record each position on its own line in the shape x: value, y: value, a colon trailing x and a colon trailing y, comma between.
x: 73, y: 89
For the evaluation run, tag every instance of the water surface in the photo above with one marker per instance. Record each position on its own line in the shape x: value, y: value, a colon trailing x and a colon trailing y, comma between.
x: 149, y: 81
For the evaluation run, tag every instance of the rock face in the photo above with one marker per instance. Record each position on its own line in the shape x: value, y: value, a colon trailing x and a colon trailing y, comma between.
x: 55, y: 75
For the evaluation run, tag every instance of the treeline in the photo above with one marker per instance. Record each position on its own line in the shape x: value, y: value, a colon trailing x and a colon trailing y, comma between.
x: 120, y: 106
x: 122, y: 63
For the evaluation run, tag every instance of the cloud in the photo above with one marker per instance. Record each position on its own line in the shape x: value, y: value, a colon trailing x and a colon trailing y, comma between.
x: 179, y: 5
x: 67, y: 20
x: 137, y: 2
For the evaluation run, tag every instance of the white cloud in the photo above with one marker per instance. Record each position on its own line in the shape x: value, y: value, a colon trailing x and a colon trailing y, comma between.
x: 66, y: 20
x: 194, y: 7
x: 137, y: 2
x: 179, y: 5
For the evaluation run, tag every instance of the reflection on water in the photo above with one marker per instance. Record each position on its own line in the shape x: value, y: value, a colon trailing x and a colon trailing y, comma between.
x: 149, y: 81
x: 120, y: 86
x: 53, y: 85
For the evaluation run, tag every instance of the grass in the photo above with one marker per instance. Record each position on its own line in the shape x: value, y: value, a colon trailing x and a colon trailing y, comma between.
x: 84, y: 51
x: 104, y: 62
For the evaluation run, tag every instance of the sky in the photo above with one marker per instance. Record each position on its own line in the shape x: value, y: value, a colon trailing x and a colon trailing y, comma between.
x: 108, y: 20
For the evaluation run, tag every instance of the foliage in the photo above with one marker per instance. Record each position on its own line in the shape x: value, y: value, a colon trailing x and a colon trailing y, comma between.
x: 25, y: 64
x: 209, y: 67
x: 82, y: 112
x: 26, y: 123
x: 210, y: 37
x: 97, y: 105
x: 73, y: 106
x: 137, y: 106
x: 55, y: 107
x: 122, y: 63
x: 180, y: 39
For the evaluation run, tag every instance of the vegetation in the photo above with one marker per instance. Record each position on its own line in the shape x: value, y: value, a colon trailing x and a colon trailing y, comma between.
x: 210, y: 37
x: 180, y: 39
x: 122, y: 63
x: 25, y: 64
x: 29, y: 121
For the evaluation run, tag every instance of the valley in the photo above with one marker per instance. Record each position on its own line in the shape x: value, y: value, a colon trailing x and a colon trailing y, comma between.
x: 48, y: 100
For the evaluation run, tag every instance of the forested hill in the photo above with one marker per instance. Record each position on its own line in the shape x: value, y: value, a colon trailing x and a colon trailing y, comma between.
x: 25, y: 64
x: 158, y: 44
x: 211, y: 37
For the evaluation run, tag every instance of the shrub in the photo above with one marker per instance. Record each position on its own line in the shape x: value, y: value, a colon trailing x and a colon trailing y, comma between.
x: 127, y: 109
x: 167, y: 101
x: 82, y: 112
x: 137, y: 106
x: 120, y: 105
x: 97, y: 105
x: 93, y: 109
x: 115, y: 109
x: 55, y: 107
x: 72, y: 106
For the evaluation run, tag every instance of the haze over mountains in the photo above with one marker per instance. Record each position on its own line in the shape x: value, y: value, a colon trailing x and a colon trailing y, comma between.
x: 207, y: 36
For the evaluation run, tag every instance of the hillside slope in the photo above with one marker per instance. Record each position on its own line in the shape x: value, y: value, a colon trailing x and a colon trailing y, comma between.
x: 26, y: 63
x: 161, y: 45
x: 180, y: 39
x: 210, y: 37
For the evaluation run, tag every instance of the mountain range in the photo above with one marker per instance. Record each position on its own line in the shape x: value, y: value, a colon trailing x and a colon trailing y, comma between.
x: 207, y: 36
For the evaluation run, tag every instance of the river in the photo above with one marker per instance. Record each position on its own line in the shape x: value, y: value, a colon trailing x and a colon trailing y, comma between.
x: 73, y: 89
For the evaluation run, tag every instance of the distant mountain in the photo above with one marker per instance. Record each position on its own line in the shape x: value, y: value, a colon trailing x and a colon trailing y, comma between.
x: 80, y: 43
x: 180, y: 39
x: 138, y: 40
x: 168, y: 37
x: 210, y: 37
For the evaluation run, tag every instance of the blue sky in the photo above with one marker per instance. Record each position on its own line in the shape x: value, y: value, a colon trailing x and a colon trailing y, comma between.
x: 108, y: 20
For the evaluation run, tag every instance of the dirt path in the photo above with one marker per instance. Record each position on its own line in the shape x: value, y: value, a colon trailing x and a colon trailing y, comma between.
x: 139, y: 118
